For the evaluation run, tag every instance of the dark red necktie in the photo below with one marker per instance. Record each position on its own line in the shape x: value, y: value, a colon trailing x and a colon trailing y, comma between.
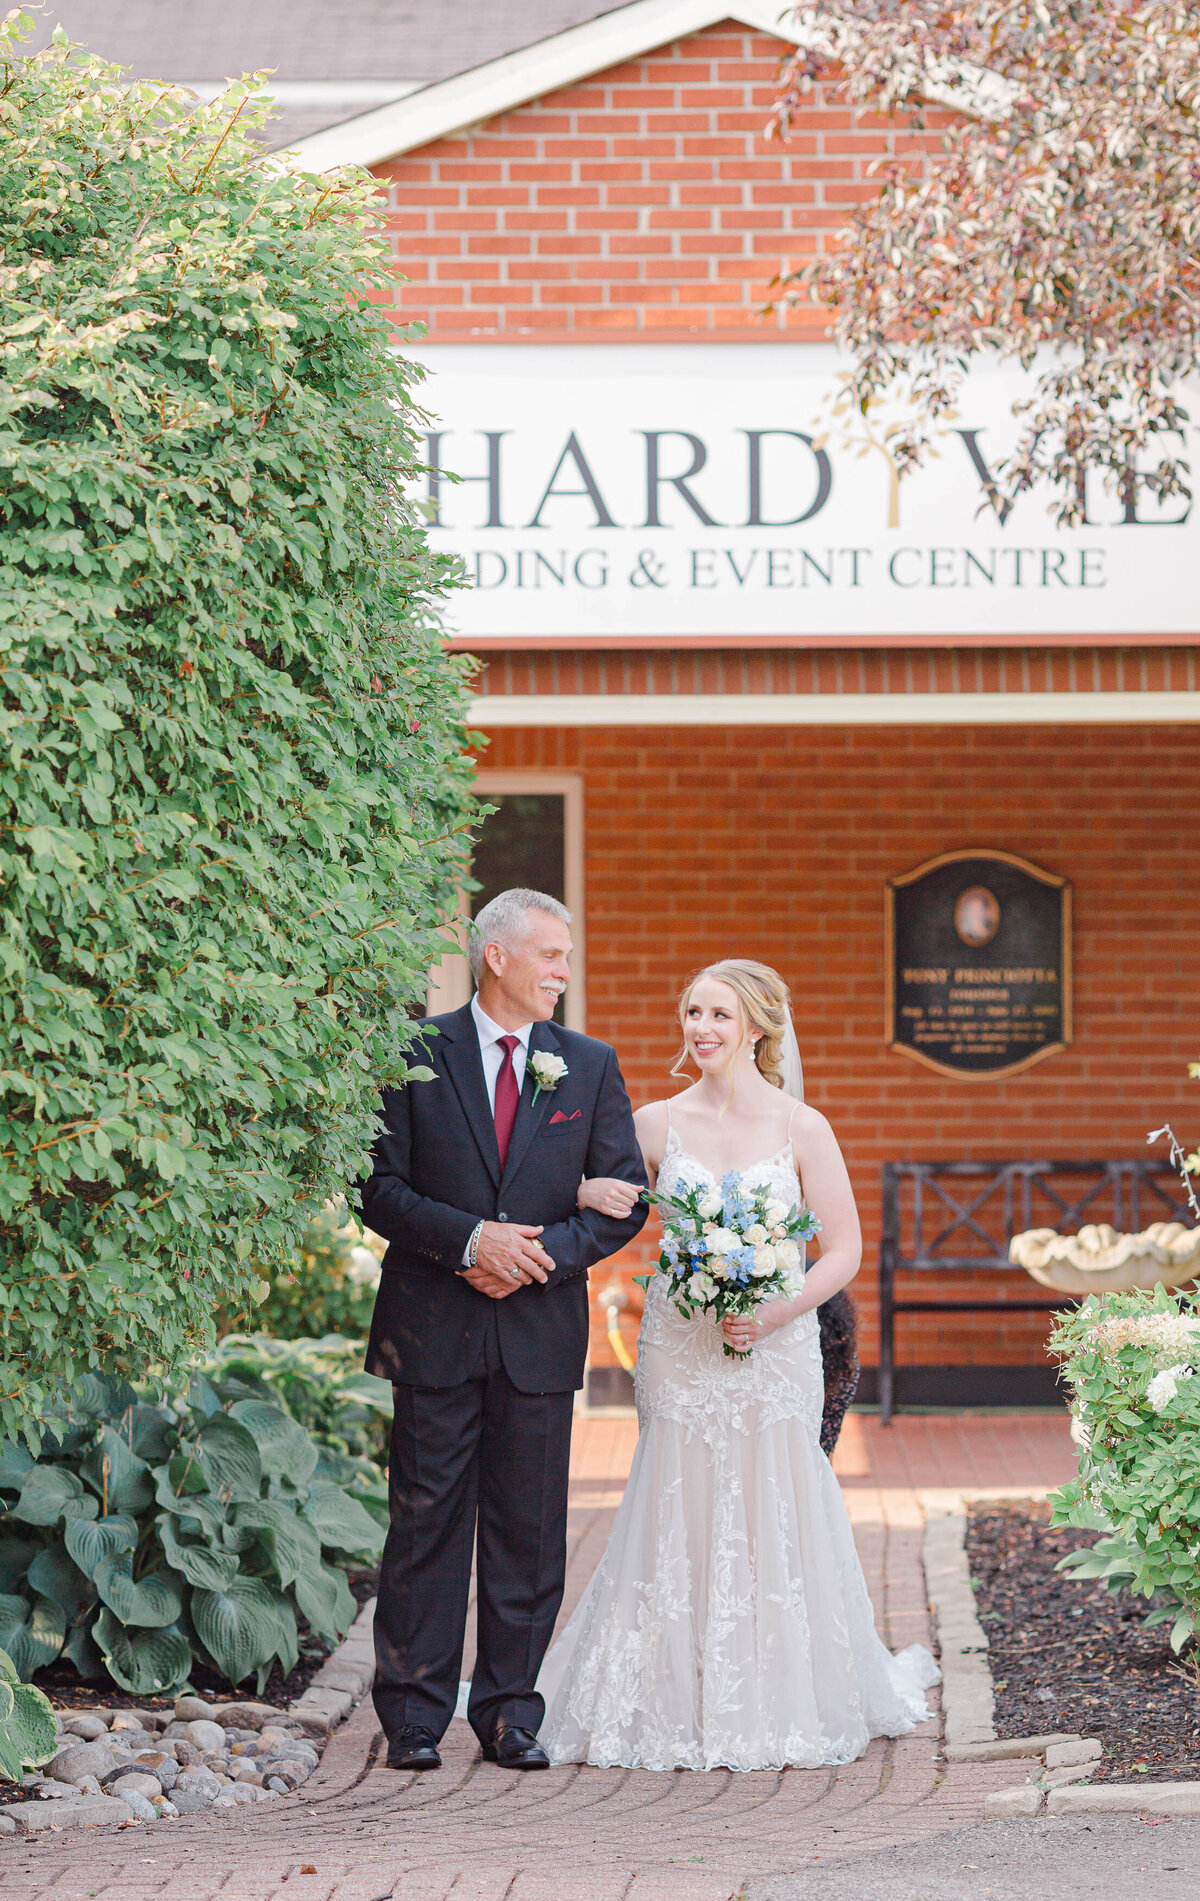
x: 507, y: 1097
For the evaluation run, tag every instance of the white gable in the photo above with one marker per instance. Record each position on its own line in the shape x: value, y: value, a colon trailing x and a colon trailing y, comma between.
x: 562, y: 60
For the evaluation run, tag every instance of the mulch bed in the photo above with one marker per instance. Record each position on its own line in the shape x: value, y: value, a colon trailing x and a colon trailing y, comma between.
x: 67, y: 1690
x: 1066, y: 1655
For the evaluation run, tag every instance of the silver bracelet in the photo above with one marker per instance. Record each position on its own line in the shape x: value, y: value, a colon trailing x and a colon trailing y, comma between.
x: 473, y: 1245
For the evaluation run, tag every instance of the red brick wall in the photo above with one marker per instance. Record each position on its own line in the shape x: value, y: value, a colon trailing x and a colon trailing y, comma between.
x: 644, y: 202
x: 776, y: 844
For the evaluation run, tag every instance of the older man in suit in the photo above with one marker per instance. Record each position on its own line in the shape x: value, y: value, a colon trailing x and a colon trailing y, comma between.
x: 481, y: 1324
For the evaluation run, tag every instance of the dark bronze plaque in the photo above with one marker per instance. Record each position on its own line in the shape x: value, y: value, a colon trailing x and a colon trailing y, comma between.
x: 978, y: 963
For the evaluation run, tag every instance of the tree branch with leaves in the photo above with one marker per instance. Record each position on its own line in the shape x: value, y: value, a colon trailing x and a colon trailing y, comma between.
x: 1059, y: 225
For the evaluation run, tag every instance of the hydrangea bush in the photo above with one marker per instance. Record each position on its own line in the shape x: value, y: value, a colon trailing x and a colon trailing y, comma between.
x: 234, y: 770
x: 1132, y: 1362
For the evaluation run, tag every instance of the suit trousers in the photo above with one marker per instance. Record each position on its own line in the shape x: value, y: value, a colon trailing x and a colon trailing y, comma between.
x: 474, y: 1464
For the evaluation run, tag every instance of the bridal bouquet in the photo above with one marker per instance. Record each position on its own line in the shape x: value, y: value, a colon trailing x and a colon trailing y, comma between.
x: 726, y: 1250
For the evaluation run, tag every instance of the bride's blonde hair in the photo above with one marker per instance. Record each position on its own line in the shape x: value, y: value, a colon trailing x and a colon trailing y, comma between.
x: 765, y: 1001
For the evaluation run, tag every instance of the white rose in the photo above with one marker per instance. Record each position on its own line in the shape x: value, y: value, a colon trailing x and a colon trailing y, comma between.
x: 548, y: 1070
x: 708, y: 1286
x: 696, y: 1286
x: 718, y: 1268
x: 787, y: 1254
x: 710, y: 1204
x: 775, y: 1214
x: 724, y: 1241
x: 764, y: 1262
x: 756, y: 1236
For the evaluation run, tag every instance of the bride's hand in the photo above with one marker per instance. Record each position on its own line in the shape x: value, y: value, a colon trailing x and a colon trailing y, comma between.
x: 608, y: 1196
x: 744, y: 1331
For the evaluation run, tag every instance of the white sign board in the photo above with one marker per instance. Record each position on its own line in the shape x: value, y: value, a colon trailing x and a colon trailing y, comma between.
x: 645, y: 492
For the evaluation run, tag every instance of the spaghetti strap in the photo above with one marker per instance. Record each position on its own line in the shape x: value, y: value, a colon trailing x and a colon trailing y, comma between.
x: 791, y: 1119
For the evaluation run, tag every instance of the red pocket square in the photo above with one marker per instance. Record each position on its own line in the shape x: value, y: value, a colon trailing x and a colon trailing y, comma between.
x: 558, y: 1116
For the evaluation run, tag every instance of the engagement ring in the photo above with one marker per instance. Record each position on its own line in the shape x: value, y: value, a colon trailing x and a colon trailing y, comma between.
x: 515, y: 1272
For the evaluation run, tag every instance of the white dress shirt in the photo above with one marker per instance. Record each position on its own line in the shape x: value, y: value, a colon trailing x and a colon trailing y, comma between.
x: 489, y: 1034
x: 492, y: 1054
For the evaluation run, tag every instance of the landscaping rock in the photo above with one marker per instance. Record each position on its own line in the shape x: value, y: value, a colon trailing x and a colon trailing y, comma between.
x: 7, y: 1825
x: 184, y: 1752
x: 82, y: 1759
x: 164, y: 1769
x: 86, y: 1725
x: 135, y: 1782
x: 205, y: 1735
x: 245, y: 1715
x: 277, y: 1786
x: 196, y: 1781
x: 138, y: 1805
x: 193, y: 1709
x: 190, y: 1801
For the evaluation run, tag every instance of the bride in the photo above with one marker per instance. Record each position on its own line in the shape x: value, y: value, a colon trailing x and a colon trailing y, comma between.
x: 728, y: 1622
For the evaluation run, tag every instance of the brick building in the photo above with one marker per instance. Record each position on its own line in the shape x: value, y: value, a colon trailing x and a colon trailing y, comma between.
x: 715, y: 766
x: 733, y: 681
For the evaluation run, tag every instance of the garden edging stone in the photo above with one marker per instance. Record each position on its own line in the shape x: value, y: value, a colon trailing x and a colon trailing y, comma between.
x: 969, y: 1705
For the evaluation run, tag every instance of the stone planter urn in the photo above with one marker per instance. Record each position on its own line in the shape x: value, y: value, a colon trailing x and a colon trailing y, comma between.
x: 1098, y: 1260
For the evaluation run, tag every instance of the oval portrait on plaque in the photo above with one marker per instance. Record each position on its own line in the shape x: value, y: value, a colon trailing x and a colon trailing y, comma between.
x: 977, y: 915
x: 978, y: 962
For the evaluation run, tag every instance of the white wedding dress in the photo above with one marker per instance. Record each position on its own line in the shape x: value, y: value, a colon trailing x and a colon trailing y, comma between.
x: 728, y: 1623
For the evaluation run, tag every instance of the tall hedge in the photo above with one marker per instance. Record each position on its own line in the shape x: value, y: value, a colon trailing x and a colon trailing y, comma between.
x: 233, y: 776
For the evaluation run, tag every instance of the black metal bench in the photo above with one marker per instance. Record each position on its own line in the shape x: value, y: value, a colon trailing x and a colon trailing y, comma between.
x: 959, y: 1217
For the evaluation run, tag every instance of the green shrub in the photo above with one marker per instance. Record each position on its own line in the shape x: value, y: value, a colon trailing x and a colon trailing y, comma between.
x: 322, y: 1384
x: 28, y: 1726
x: 148, y: 1536
x: 1133, y: 1364
x: 326, y: 1288
x: 234, y: 779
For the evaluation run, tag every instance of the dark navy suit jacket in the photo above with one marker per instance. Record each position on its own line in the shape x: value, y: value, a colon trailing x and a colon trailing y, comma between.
x: 436, y: 1172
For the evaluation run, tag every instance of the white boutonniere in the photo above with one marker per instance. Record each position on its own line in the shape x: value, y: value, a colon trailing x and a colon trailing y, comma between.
x: 548, y: 1071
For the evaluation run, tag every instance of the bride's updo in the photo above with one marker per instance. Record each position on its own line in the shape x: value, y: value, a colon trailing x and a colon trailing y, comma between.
x: 764, y: 998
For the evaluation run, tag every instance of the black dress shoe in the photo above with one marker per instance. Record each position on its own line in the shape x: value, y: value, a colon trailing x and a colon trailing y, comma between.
x: 515, y: 1748
x: 413, y: 1747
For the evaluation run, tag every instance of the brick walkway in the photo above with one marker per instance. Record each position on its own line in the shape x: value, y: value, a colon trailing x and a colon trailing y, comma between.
x: 472, y: 1832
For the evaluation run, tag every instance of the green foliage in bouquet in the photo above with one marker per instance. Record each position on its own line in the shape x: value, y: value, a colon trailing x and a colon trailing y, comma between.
x: 148, y: 1536
x: 323, y: 1289
x: 1133, y: 1364
x: 234, y: 778
x: 321, y: 1383
x: 28, y: 1727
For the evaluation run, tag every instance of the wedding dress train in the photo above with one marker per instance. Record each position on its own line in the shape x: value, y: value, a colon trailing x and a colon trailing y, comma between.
x: 728, y: 1623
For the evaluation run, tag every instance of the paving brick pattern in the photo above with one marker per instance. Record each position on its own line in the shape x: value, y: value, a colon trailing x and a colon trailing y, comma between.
x: 472, y: 1832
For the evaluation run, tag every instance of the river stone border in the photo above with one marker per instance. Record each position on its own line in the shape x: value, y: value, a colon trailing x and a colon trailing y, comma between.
x: 145, y: 1784
x: 1064, y: 1762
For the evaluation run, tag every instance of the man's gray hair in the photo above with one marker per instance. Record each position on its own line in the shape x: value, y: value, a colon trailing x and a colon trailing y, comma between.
x: 505, y: 919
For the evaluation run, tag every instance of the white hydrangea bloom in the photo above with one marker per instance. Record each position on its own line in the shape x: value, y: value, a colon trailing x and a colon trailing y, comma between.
x: 1164, y: 1387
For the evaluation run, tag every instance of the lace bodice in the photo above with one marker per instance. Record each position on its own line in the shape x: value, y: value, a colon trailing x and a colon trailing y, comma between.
x: 683, y: 1372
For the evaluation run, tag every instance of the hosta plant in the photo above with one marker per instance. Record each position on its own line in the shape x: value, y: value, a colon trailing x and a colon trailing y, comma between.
x: 1132, y: 1362
x: 321, y: 1383
x: 148, y: 1536
x: 28, y: 1729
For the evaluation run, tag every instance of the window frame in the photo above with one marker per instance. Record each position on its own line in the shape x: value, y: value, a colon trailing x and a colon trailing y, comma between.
x: 450, y: 981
